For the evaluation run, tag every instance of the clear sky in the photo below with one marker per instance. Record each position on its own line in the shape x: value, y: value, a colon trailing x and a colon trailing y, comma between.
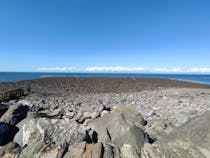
x: 105, y: 35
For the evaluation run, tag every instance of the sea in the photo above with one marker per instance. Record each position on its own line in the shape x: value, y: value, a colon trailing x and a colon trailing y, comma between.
x: 18, y: 76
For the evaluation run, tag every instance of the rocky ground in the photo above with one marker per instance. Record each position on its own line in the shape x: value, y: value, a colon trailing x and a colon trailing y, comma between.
x: 106, y: 118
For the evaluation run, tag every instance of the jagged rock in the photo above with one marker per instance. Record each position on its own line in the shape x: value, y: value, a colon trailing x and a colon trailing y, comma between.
x: 98, y: 150
x: 49, y: 113
x: 32, y: 150
x: 127, y: 151
x: 51, y: 131
x: 121, y: 132
x: 189, y: 141
x: 108, y: 151
x: 14, y: 114
x: 76, y: 150
x: 10, y: 150
x: 88, y: 115
x: 119, y: 127
x: 88, y: 151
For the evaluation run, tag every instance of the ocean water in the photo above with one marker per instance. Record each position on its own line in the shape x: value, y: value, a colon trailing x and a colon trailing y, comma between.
x: 17, y: 76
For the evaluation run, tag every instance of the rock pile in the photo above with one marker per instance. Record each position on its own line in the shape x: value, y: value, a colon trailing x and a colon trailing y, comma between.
x: 100, y: 127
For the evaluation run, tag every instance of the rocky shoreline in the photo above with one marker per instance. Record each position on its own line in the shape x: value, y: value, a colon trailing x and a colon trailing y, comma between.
x: 105, y: 118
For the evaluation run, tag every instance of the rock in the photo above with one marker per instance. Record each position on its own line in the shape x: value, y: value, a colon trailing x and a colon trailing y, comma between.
x: 119, y: 127
x: 98, y: 150
x: 189, y: 141
x: 49, y: 113
x: 11, y: 95
x: 121, y: 132
x: 88, y: 115
x: 51, y: 130
x: 76, y: 151
x: 32, y: 150
x: 127, y: 151
x: 14, y: 114
x: 158, y: 128
x: 108, y: 151
x: 10, y: 150
x: 88, y: 151
x: 19, y: 137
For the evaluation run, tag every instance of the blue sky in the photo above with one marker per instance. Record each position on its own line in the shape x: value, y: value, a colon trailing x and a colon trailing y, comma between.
x: 105, y: 35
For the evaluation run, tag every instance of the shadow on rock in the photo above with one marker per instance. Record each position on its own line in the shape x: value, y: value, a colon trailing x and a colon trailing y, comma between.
x: 7, y: 133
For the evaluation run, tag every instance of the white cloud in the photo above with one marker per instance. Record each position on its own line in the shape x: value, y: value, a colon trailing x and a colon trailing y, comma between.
x: 168, y: 70
x: 160, y: 70
x: 199, y: 70
x: 125, y: 69
x: 56, y: 69
x: 114, y: 69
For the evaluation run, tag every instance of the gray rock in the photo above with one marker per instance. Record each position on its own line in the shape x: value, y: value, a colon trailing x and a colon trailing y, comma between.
x: 32, y: 150
x: 10, y: 150
x: 108, y: 151
x: 122, y: 132
x: 189, y: 141
x: 127, y: 151
x: 76, y: 150
x: 98, y: 151
x: 119, y: 127
x: 51, y: 130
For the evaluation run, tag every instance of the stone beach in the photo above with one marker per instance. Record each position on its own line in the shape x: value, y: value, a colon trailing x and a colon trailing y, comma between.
x: 104, y: 118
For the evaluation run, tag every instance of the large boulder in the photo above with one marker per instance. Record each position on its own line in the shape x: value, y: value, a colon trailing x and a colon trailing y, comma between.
x: 51, y: 130
x: 122, y: 126
x: 189, y: 141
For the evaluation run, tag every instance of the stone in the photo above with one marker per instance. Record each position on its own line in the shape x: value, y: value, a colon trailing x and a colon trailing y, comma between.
x: 189, y: 141
x: 127, y: 151
x: 32, y: 150
x: 51, y: 130
x: 122, y: 132
x: 15, y: 114
x: 98, y: 150
x: 119, y: 127
x: 108, y: 151
x: 10, y: 150
x: 76, y: 150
